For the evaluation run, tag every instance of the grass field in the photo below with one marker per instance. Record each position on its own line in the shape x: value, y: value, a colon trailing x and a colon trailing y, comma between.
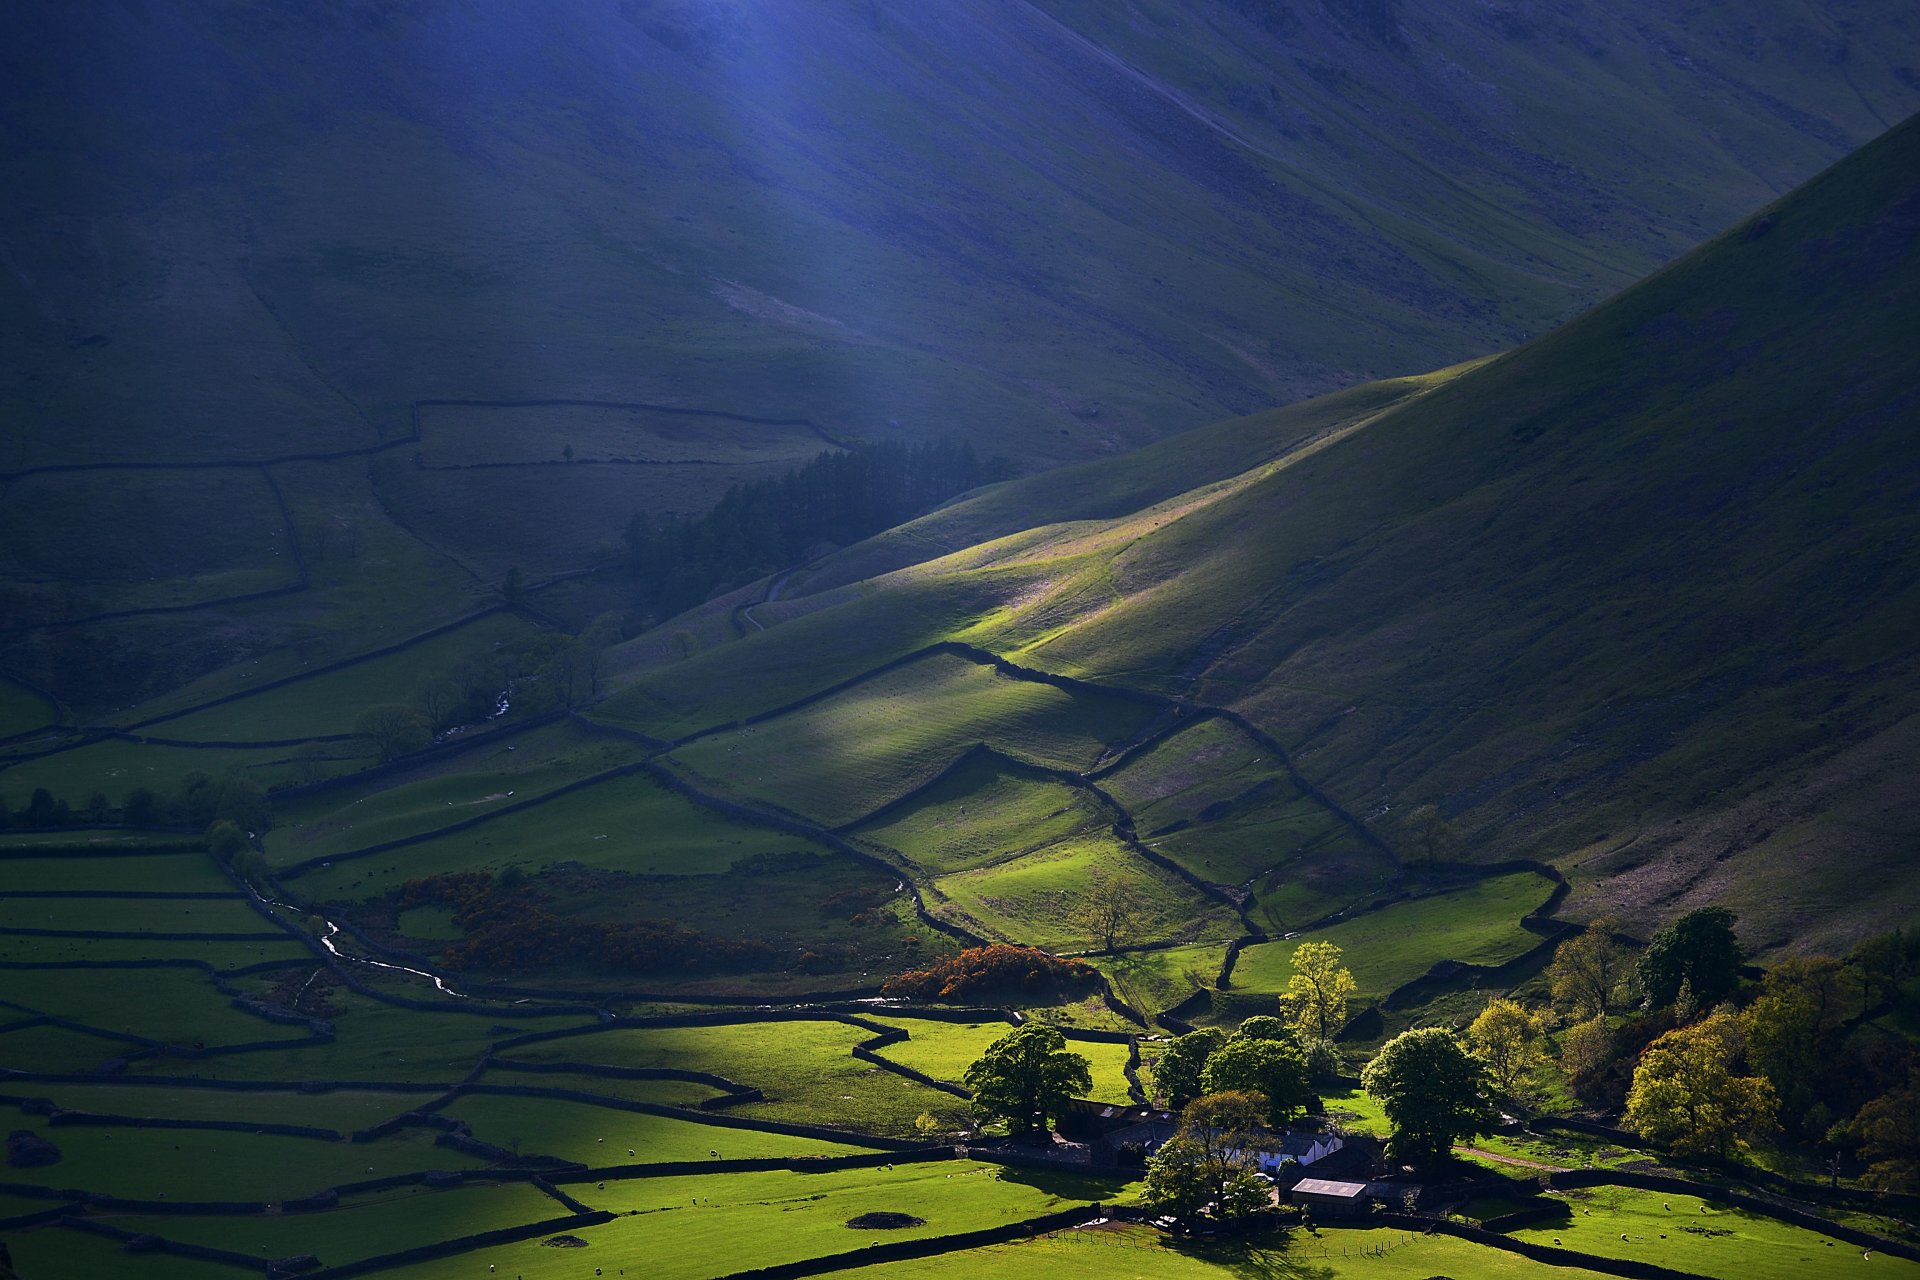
x: 138, y: 873
x: 602, y: 1136
x: 176, y: 1006
x: 1154, y: 981
x: 114, y: 767
x: 630, y: 824
x: 464, y: 434
x: 342, y: 1109
x: 686, y: 1228
x: 21, y: 709
x: 135, y: 915
x: 668, y: 1093
x: 54, y: 1251
x: 436, y: 793
x: 1140, y: 1253
x: 981, y: 813
x: 1704, y: 1238
x: 944, y: 1050
x: 329, y: 703
x: 208, y: 1164
x: 225, y: 954
x: 56, y: 1049
x: 1393, y: 946
x: 806, y: 1069
x: 363, y: 1226
x: 74, y: 545
x: 1037, y: 897
x: 842, y: 758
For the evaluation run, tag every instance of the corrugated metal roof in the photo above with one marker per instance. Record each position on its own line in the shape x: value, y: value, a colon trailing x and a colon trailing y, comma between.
x: 1328, y: 1187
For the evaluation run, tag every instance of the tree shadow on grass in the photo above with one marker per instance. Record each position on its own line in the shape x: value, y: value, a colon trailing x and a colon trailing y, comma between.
x: 1265, y: 1256
x: 1068, y: 1184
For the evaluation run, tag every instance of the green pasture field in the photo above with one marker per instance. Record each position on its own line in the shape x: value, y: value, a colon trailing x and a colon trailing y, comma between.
x: 806, y: 1069
x: 1725, y: 1241
x: 329, y: 703
x: 53, y: 1049
x: 173, y: 1005
x: 140, y: 873
x: 471, y: 433
x: 374, y: 1041
x: 21, y: 709
x: 1155, y: 981
x: 130, y: 915
x: 1356, y: 1110
x: 342, y: 1109
x: 1180, y: 777
x: 745, y: 1220
x: 669, y: 1093
x: 57, y: 1253
x: 115, y: 767
x: 944, y: 1050
x: 363, y: 1226
x: 436, y: 792
x: 981, y: 813
x: 429, y: 924
x: 221, y: 1164
x: 602, y: 1136
x: 1033, y: 898
x: 1391, y: 947
x: 130, y: 540
x: 1141, y: 1253
x: 631, y: 824
x: 221, y: 955
x: 842, y: 758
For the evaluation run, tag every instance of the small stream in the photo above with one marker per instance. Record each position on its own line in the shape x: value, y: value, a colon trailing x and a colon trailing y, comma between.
x: 333, y: 930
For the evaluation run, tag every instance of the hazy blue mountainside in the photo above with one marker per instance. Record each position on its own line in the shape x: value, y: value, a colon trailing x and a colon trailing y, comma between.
x: 1637, y: 597
x: 532, y: 250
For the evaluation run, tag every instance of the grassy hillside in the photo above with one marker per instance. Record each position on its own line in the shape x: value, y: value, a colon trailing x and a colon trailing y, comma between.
x: 344, y: 315
x: 1635, y: 598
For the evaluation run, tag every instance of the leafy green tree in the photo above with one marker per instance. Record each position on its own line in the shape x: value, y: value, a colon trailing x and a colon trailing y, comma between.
x: 99, y: 808
x: 225, y: 840
x: 196, y: 798
x: 1177, y: 1072
x: 1264, y: 1026
x: 1687, y: 1097
x: 1432, y: 1090
x: 1697, y: 952
x: 1589, y: 969
x: 1274, y: 1069
x: 141, y: 808
x: 393, y: 729
x: 1882, y: 967
x: 242, y: 802
x: 1793, y: 1030
x: 44, y: 811
x: 1210, y: 1162
x: 1319, y: 989
x: 1587, y: 1055
x: 1888, y: 1129
x: 1510, y: 1041
x: 1026, y: 1077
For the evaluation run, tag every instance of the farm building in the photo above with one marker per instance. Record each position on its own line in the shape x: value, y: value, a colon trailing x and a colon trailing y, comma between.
x: 1335, y: 1199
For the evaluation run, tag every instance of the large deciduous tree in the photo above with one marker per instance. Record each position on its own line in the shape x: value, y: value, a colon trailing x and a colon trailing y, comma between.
x: 1432, y: 1090
x: 393, y: 728
x: 1888, y: 1129
x: 1210, y: 1162
x: 1319, y: 989
x: 1589, y: 969
x: 1686, y: 1095
x: 1696, y: 956
x: 1025, y: 1078
x: 1177, y: 1071
x: 1274, y: 1069
x: 1509, y: 1040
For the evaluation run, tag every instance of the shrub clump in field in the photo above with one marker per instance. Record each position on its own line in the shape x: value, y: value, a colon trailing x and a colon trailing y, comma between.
x: 508, y: 927
x: 885, y: 1221
x: 994, y: 970
x: 28, y: 1150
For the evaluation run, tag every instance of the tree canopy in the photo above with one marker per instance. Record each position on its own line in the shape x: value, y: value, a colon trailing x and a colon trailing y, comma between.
x: 1687, y: 1097
x: 1319, y: 989
x: 1177, y: 1072
x: 1432, y: 1090
x: 1508, y: 1040
x: 1588, y: 970
x: 1025, y: 1078
x: 1276, y: 1070
x: 1210, y: 1162
x: 1696, y: 956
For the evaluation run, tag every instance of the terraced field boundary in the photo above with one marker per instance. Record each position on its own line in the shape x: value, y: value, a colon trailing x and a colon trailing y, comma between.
x: 904, y: 1250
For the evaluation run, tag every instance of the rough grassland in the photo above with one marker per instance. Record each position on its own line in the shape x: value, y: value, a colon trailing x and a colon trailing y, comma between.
x: 1153, y: 981
x: 845, y: 757
x: 56, y: 1252
x: 176, y: 1006
x: 342, y: 1109
x: 22, y: 709
x: 1393, y: 946
x: 983, y: 812
x: 329, y: 703
x: 630, y: 824
x: 114, y: 768
x: 142, y: 873
x: 1035, y: 898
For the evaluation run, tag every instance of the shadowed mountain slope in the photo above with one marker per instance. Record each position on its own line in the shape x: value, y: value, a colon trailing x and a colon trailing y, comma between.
x: 1637, y: 598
